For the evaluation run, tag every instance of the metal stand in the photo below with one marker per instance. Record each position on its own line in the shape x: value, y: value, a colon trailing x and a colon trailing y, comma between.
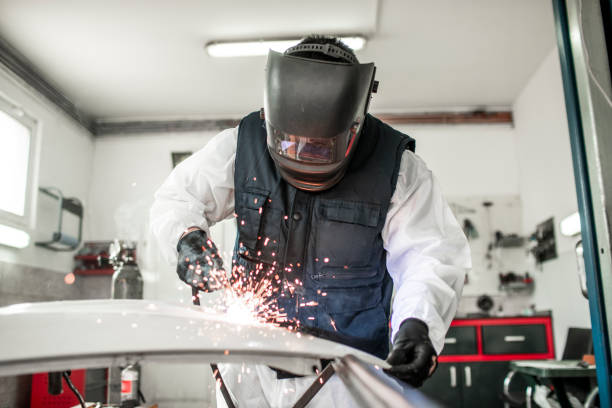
x: 61, y: 241
x: 561, y: 393
x: 314, y: 388
x: 222, y: 387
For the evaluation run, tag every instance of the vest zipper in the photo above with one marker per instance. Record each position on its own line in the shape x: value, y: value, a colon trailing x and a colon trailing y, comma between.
x: 287, y: 241
x: 308, y: 220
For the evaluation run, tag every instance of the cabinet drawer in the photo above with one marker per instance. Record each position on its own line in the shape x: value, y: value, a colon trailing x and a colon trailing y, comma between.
x: 460, y: 340
x: 444, y: 386
x: 514, y: 339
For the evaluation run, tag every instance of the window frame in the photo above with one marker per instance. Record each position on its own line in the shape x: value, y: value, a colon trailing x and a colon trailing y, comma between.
x: 28, y: 219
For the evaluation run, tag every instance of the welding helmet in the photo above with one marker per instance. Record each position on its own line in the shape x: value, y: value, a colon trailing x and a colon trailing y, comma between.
x: 314, y: 113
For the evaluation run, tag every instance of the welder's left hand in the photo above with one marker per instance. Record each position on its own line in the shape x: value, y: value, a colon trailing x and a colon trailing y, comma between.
x: 199, y: 263
x: 413, y: 358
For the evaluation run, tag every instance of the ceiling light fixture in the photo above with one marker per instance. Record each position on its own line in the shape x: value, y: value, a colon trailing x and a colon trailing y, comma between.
x: 255, y: 48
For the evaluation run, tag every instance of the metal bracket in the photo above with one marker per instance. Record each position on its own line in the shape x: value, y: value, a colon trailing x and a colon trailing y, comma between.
x: 314, y: 388
x: 61, y: 241
x: 222, y: 387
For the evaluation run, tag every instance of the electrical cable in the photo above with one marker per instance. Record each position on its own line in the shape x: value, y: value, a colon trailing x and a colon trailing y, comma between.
x: 66, y: 375
x: 141, y: 396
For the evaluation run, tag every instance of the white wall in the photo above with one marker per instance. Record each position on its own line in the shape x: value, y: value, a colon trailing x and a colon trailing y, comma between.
x: 469, y: 160
x: 127, y: 172
x: 66, y: 153
x: 547, y: 189
x: 474, y: 164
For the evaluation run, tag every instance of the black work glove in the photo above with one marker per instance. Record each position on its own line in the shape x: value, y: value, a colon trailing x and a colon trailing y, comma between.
x: 199, y: 264
x: 413, y: 358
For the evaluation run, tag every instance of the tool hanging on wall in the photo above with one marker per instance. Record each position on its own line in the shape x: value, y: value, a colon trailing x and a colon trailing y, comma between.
x: 544, y: 245
x: 489, y: 255
x: 61, y: 241
x: 469, y: 228
x: 459, y: 209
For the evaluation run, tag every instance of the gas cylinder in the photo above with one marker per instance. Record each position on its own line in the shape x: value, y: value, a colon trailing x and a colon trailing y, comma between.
x: 127, y: 280
x: 130, y: 376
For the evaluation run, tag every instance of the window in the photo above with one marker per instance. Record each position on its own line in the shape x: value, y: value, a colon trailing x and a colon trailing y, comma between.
x: 17, y: 157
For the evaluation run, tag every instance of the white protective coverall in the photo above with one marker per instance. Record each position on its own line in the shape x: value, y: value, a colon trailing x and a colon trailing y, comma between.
x: 427, y: 253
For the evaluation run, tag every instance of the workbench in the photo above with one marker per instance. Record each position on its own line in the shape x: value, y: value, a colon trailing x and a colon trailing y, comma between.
x: 556, y: 372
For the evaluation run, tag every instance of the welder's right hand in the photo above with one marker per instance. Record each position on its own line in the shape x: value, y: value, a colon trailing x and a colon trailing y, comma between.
x: 199, y: 264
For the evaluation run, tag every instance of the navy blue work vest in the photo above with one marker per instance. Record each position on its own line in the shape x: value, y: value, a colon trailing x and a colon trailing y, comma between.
x: 329, y: 241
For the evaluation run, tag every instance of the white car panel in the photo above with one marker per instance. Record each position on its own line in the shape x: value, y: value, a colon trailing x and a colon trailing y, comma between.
x: 54, y: 336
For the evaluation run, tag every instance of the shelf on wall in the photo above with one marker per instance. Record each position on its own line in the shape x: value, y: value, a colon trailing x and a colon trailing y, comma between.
x: 91, y: 272
x: 517, y: 287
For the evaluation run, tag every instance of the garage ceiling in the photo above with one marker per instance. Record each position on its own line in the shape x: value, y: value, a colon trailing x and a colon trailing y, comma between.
x: 127, y: 59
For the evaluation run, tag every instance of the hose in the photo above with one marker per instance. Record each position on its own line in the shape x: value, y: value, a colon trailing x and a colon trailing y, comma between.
x: 66, y: 375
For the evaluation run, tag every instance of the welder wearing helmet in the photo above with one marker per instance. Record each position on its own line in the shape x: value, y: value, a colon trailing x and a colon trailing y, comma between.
x: 335, y: 198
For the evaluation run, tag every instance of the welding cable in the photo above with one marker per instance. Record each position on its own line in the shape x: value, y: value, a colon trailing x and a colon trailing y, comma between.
x: 66, y: 375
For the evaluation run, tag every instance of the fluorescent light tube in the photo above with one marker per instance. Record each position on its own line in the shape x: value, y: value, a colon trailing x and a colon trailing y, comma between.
x: 13, y: 237
x: 255, y: 48
x: 570, y: 225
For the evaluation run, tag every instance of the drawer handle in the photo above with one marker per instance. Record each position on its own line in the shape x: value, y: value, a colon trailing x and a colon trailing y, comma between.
x: 450, y: 340
x: 453, y: 376
x: 514, y: 339
x: 468, y: 376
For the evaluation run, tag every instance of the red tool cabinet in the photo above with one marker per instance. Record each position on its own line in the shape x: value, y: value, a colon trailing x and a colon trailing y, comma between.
x: 476, y: 357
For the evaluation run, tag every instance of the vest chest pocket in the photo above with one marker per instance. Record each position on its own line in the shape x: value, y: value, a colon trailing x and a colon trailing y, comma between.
x: 257, y: 224
x: 347, y: 233
x: 249, y: 207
